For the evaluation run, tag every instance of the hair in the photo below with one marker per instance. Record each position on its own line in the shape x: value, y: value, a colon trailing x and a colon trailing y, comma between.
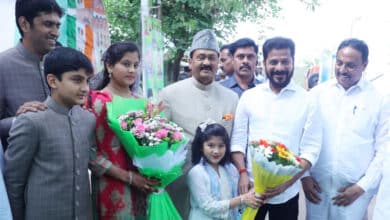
x: 356, y: 44
x: 225, y: 46
x: 278, y: 43
x: 33, y: 8
x: 64, y: 59
x: 211, y: 130
x: 113, y: 55
x: 243, y: 42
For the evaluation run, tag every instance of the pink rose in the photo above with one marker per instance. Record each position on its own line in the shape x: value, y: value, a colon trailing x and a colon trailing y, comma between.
x: 137, y: 121
x: 177, y: 136
x: 123, y: 125
x: 162, y: 133
x: 140, y: 129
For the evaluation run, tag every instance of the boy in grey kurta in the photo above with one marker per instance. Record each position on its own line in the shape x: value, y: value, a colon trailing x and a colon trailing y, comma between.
x: 46, y: 170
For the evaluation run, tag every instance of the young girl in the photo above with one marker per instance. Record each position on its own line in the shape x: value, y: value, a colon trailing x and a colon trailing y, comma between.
x: 119, y: 191
x: 213, y: 179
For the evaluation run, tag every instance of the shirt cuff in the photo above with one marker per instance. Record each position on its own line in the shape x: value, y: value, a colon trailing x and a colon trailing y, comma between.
x: 237, y: 148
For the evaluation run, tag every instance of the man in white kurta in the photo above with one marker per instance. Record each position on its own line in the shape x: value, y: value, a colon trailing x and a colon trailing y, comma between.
x: 194, y: 100
x: 278, y: 110
x: 355, y: 125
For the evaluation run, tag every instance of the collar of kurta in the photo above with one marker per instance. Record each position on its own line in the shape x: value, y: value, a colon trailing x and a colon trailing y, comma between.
x: 57, y: 107
x: 291, y: 86
x: 202, y: 86
x: 26, y: 53
x: 359, y: 86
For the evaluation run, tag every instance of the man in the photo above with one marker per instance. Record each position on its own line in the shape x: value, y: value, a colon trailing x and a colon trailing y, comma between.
x: 280, y: 111
x: 225, y: 62
x: 194, y: 100
x: 244, y: 52
x: 355, y: 125
x: 23, y: 87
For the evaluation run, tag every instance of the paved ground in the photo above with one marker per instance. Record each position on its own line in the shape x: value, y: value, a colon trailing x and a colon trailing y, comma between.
x: 302, y: 208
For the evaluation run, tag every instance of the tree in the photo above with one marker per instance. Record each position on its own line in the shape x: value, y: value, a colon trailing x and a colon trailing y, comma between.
x: 181, y: 19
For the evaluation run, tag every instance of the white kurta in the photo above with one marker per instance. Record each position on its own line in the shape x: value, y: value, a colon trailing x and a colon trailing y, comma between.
x: 355, y: 126
x: 203, y: 205
x: 382, y: 204
x: 287, y: 117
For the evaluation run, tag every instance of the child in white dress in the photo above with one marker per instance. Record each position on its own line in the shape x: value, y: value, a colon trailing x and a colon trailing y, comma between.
x: 213, y: 179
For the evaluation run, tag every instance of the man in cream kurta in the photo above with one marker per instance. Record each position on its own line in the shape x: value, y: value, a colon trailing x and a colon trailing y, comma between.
x: 194, y: 100
x: 355, y: 125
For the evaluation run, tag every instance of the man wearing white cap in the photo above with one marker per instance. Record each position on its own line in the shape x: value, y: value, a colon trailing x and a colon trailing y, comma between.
x: 191, y: 101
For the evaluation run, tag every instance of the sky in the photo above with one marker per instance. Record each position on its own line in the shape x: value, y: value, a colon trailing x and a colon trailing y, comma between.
x: 313, y: 31
x: 330, y: 23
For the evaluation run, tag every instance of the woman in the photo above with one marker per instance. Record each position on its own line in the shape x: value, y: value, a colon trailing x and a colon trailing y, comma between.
x: 119, y: 191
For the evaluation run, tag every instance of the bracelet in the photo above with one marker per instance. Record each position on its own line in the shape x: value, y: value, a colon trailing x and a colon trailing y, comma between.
x: 242, y: 170
x: 130, y: 177
x: 242, y: 199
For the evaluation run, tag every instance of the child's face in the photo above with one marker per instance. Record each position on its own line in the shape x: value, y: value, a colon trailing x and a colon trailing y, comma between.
x: 124, y: 73
x: 72, y: 89
x: 214, y: 150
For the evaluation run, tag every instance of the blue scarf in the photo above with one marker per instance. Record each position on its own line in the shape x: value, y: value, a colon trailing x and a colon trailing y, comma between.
x: 215, y: 186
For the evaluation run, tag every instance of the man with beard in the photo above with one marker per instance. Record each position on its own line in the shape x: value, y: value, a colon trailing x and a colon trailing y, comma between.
x: 278, y: 111
x: 355, y: 118
x: 192, y: 101
x: 244, y: 52
x: 22, y: 84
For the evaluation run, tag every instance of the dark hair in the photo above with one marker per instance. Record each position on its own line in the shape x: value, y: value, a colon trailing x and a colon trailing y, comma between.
x: 225, y: 46
x: 356, y: 44
x: 64, y: 59
x: 32, y: 8
x: 114, y: 54
x: 243, y: 42
x: 201, y: 137
x: 278, y: 43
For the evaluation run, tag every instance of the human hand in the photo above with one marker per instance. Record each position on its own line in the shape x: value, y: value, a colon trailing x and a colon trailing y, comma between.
x: 144, y: 184
x: 252, y: 200
x: 243, y: 183
x: 32, y: 106
x: 272, y: 192
x: 347, y: 195
x: 311, y: 189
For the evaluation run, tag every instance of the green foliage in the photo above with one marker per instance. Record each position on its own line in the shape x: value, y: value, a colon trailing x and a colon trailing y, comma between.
x: 181, y: 19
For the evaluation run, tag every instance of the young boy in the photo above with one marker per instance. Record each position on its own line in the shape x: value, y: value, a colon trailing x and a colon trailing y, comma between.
x: 46, y: 170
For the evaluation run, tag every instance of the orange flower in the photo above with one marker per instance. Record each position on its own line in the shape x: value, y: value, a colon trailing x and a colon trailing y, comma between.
x: 227, y: 117
x: 264, y: 143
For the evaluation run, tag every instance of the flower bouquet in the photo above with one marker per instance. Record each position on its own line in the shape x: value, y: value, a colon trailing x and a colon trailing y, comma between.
x: 272, y: 165
x: 156, y: 146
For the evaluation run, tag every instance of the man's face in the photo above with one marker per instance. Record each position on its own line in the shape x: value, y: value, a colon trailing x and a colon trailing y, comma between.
x: 349, y: 67
x: 279, y: 67
x: 226, y: 62
x: 42, y: 34
x: 204, y: 65
x: 244, y: 62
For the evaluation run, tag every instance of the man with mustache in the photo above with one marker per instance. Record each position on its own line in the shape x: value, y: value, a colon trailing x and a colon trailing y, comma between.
x: 192, y: 101
x: 225, y: 62
x: 281, y: 111
x: 244, y: 52
x: 22, y: 84
x: 355, y: 118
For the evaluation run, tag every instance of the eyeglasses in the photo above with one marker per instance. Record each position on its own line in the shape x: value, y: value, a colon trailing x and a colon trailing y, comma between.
x: 203, y: 57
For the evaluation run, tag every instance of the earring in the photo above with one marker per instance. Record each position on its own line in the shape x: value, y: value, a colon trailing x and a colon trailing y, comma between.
x: 109, y: 73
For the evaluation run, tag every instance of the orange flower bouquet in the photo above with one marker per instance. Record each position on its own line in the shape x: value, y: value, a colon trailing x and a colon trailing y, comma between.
x: 272, y: 165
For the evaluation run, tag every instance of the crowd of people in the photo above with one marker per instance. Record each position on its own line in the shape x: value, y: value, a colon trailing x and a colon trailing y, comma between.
x: 54, y: 130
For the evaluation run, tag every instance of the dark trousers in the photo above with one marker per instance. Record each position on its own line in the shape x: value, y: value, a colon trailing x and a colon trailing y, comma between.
x: 284, y: 211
